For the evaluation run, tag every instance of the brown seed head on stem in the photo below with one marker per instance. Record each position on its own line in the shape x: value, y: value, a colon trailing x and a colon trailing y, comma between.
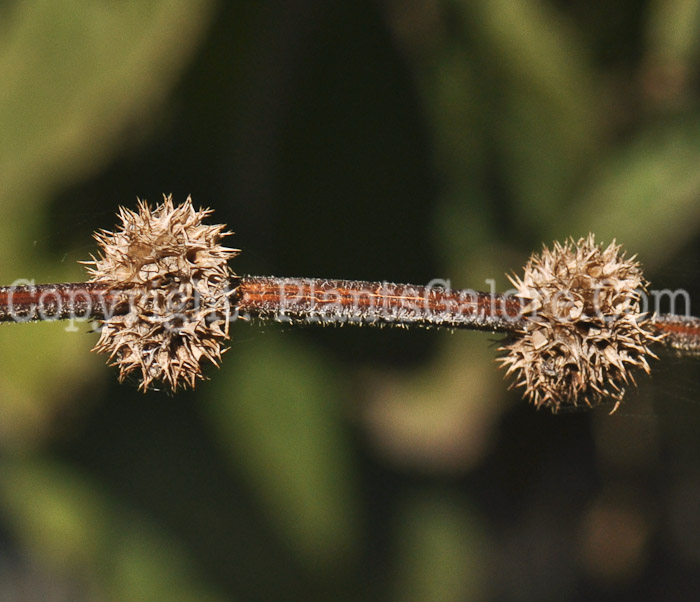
x: 163, y: 293
x: 584, y: 333
x: 179, y: 289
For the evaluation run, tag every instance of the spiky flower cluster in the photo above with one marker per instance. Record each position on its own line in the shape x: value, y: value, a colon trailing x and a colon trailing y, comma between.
x: 584, y: 333
x: 178, y: 280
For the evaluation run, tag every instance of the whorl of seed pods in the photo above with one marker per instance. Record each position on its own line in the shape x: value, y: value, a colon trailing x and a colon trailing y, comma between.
x: 179, y: 284
x: 583, y: 334
x: 578, y: 342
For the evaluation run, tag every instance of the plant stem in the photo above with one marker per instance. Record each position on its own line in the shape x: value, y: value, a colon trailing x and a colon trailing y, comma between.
x: 25, y: 303
x: 316, y: 300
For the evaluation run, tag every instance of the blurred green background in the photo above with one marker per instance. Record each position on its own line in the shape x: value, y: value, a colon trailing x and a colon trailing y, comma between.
x: 400, y: 140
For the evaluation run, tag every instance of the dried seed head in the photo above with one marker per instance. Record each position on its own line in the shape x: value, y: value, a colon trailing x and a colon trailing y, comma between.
x: 583, y: 333
x: 179, y: 282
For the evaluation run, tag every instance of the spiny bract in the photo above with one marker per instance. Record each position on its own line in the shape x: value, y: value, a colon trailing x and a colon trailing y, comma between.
x: 178, y: 280
x: 584, y: 333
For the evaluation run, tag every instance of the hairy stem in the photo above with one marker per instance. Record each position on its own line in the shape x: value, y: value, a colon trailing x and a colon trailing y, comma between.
x: 316, y: 300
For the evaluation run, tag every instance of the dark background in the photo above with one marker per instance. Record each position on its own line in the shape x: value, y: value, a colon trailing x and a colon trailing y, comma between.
x: 396, y: 140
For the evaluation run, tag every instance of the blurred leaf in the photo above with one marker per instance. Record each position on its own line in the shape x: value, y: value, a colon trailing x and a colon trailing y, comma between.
x: 674, y: 31
x: 66, y: 522
x: 43, y: 365
x: 442, y: 416
x: 645, y: 194
x: 669, y: 68
x: 544, y: 100
x: 77, y: 76
x: 441, y: 550
x: 276, y: 409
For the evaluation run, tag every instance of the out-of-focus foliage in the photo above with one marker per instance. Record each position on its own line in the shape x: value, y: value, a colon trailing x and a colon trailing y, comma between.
x: 296, y: 452
x: 67, y: 522
x: 76, y: 77
x: 375, y: 139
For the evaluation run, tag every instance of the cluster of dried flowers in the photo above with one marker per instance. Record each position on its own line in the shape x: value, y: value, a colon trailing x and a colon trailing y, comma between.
x: 584, y: 332
x: 581, y: 337
x: 179, y: 284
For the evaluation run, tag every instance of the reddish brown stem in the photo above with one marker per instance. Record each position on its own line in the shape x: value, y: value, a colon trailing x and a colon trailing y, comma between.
x: 315, y: 300
x: 24, y: 303
x: 682, y: 333
x: 311, y: 300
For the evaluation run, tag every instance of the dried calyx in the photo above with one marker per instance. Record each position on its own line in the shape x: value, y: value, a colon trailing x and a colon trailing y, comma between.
x: 583, y: 334
x: 578, y: 342
x: 179, y: 284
